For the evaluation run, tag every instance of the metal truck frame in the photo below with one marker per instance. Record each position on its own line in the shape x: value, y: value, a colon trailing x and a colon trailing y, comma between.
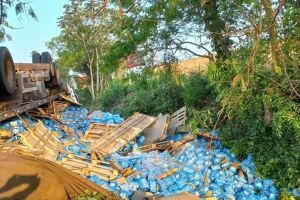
x: 24, y: 86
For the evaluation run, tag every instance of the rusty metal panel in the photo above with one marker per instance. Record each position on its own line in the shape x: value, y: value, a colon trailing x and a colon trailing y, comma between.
x: 96, y: 131
x: 123, y: 133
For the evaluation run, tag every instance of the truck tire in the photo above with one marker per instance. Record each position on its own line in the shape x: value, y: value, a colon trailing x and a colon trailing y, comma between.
x: 46, y: 58
x: 36, y: 58
x: 7, y: 72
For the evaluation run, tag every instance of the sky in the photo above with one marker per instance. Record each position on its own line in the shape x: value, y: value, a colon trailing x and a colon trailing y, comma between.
x: 31, y: 34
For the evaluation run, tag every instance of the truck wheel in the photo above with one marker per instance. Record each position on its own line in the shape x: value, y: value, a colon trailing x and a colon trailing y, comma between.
x: 36, y: 58
x: 46, y: 58
x: 7, y: 72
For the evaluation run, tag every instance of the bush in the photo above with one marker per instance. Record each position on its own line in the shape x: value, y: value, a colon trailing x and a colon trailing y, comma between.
x: 198, y: 92
x: 150, y: 93
x: 275, y: 148
x: 113, y: 96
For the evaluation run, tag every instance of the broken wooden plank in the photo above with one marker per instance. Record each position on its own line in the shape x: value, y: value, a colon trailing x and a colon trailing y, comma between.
x: 86, y: 168
x: 158, y: 130
x: 64, y: 97
x: 177, y: 146
x: 60, y: 106
x: 156, y: 146
x: 96, y: 131
x: 21, y: 149
x: 178, y: 118
x: 122, y: 134
x: 39, y: 137
x: 207, y: 135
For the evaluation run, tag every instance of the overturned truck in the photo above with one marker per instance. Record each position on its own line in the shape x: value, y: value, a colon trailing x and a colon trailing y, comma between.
x: 24, y: 86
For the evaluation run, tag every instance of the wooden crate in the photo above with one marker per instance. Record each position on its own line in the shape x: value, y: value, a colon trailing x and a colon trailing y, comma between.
x: 87, y: 168
x: 178, y: 118
x: 40, y: 138
x: 96, y: 131
x: 122, y: 134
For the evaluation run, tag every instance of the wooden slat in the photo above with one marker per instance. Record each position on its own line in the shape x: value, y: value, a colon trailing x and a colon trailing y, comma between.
x: 86, y: 168
x: 178, y: 118
x: 177, y: 146
x: 31, y: 66
x: 122, y: 134
x: 69, y: 100
x: 157, y: 146
x: 40, y: 138
x: 96, y: 131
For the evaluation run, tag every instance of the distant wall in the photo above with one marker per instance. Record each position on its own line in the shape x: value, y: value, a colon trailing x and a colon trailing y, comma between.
x: 187, y: 66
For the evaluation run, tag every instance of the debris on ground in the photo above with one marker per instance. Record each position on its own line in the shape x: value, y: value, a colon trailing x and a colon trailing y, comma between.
x: 42, y: 179
x: 152, y: 155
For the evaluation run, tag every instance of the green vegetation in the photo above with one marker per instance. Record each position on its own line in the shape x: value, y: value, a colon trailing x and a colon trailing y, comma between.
x: 148, y: 93
x: 21, y: 7
x: 250, y: 92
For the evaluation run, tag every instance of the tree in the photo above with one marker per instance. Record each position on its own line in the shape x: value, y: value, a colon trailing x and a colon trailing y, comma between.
x: 20, y: 6
x: 84, y: 39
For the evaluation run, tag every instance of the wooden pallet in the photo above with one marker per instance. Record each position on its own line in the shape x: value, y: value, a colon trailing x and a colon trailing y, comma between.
x: 122, y: 134
x: 157, y: 146
x: 178, y: 118
x: 86, y: 168
x: 40, y: 138
x: 96, y: 131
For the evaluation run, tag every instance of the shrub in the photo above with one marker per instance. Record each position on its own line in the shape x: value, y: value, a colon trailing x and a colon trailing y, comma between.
x: 198, y: 92
x: 150, y: 93
x: 113, y: 96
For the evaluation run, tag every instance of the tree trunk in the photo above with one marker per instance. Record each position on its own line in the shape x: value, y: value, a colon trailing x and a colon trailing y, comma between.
x: 275, y: 49
x: 92, y: 79
x: 216, y: 26
x: 98, y: 74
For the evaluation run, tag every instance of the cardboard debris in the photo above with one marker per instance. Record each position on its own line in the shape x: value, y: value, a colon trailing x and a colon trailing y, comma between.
x: 158, y: 130
x: 122, y: 134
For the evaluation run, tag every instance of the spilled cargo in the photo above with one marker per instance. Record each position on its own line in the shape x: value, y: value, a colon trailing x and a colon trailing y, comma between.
x: 118, y: 154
